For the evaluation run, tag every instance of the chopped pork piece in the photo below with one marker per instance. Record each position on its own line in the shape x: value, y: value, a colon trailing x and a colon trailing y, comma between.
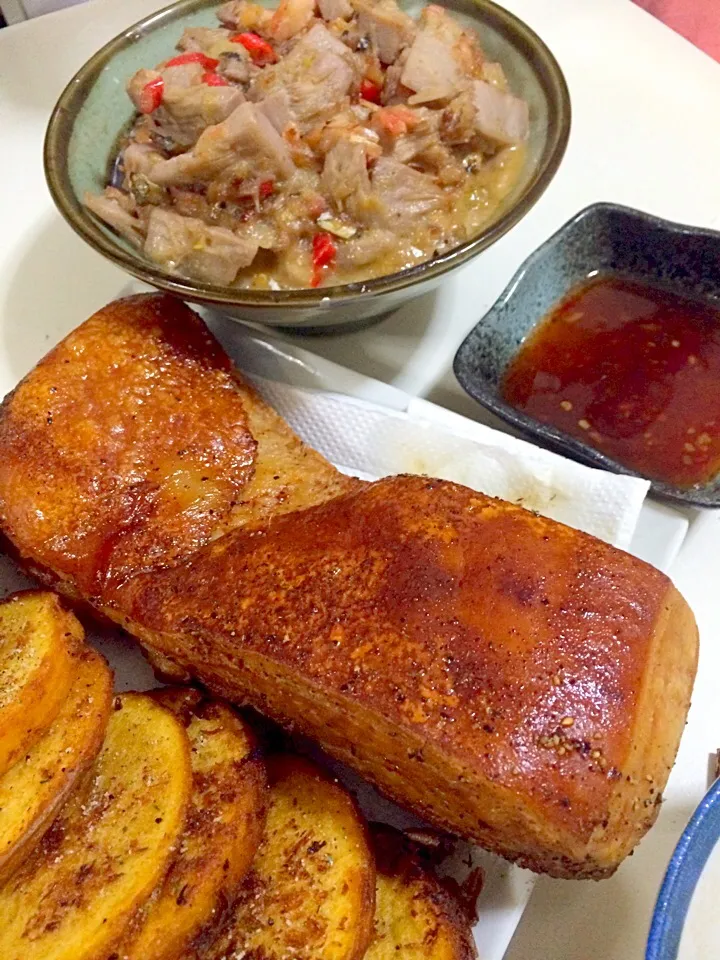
x: 431, y: 64
x: 442, y: 59
x: 139, y: 158
x: 181, y: 77
x: 317, y: 75
x: 237, y: 65
x: 245, y: 143
x: 212, y: 254
x: 437, y: 22
x: 500, y: 116
x: 276, y: 107
x: 110, y: 208
x: 241, y: 15
x: 388, y: 29
x: 290, y: 18
x: 335, y: 9
x: 208, y: 40
x: 404, y: 193
x: 186, y: 112
x: 345, y: 178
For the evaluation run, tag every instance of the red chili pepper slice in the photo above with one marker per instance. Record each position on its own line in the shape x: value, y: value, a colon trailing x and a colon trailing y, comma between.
x: 324, y: 253
x: 259, y: 49
x: 214, y: 80
x: 266, y: 188
x: 209, y: 63
x: 151, y: 95
x: 370, y: 91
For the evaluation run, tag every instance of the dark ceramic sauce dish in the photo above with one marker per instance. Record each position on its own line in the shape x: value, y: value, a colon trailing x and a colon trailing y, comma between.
x: 602, y: 240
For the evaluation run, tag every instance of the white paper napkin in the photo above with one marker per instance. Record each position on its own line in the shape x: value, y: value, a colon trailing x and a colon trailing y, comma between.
x: 371, y: 441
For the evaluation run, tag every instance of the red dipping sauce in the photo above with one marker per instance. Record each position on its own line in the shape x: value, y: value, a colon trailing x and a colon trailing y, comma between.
x: 631, y: 370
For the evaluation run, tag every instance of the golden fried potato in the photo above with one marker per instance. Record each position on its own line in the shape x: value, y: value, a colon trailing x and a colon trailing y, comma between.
x: 35, y: 788
x: 416, y: 918
x: 36, y: 637
x: 310, y: 893
x: 223, y: 829
x: 109, y: 848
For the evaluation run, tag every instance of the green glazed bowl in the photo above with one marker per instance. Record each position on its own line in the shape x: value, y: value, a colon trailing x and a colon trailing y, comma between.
x: 94, y: 107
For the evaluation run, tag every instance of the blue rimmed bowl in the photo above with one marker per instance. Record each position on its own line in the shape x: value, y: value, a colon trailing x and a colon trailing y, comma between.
x: 683, y: 874
x: 603, y: 239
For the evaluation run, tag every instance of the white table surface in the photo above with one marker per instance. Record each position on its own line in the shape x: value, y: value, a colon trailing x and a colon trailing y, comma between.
x: 644, y: 133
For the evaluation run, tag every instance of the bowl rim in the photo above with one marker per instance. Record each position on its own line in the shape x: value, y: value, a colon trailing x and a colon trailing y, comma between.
x: 64, y: 114
x: 487, y: 394
x: 688, y: 861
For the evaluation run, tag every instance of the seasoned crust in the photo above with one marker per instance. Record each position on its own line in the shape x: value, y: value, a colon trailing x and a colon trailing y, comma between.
x: 409, y: 634
x: 103, y: 856
x: 222, y: 832
x: 311, y: 891
x: 37, y: 638
x: 134, y: 442
x: 35, y: 788
x: 129, y: 439
x: 416, y: 918
x: 490, y: 669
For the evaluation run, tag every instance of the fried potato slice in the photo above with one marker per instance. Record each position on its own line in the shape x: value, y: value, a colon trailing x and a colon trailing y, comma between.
x: 310, y: 893
x: 109, y: 848
x: 416, y: 918
x: 34, y: 789
x: 223, y: 829
x: 36, y: 637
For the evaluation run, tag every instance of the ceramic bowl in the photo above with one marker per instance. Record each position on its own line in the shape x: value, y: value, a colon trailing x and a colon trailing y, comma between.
x: 682, y: 876
x: 94, y: 108
x: 602, y: 239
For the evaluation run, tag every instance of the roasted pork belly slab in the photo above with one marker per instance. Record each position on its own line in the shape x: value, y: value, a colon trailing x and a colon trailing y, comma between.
x: 510, y: 679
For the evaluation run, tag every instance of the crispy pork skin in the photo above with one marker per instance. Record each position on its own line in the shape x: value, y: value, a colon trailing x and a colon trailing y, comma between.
x: 508, y: 678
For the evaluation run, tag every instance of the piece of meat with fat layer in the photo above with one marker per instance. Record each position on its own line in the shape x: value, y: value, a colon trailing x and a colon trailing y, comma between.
x: 213, y: 254
x: 430, y: 64
x: 443, y: 57
x: 500, y: 116
x: 317, y: 75
x: 246, y: 141
x: 387, y: 27
x: 139, y: 158
x: 236, y: 65
x: 276, y: 107
x: 208, y: 40
x: 186, y: 112
x: 111, y: 207
x: 345, y: 178
x: 403, y: 193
